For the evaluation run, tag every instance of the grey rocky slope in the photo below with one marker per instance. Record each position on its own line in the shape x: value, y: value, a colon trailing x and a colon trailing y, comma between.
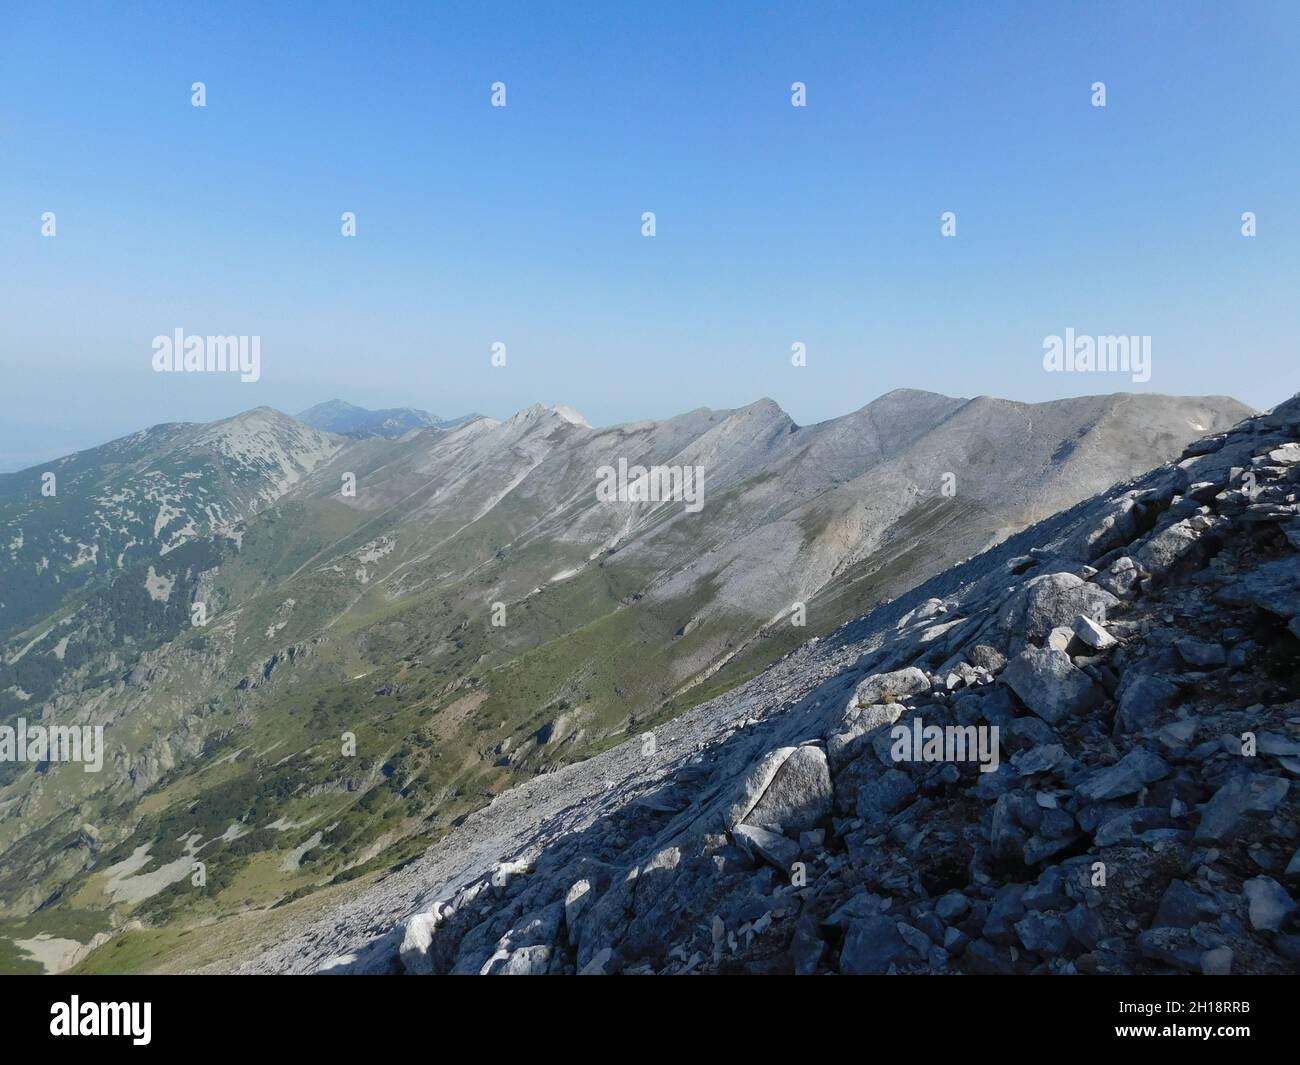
x: 1139, y: 655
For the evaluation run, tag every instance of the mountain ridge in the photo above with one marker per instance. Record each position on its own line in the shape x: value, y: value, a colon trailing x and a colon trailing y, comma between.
x: 348, y: 419
x: 655, y: 859
x: 374, y: 608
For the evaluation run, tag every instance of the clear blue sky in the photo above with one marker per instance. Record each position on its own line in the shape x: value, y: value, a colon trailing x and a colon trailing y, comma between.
x: 522, y: 224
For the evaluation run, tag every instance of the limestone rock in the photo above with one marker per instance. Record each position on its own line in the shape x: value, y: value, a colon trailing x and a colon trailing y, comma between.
x: 1048, y: 683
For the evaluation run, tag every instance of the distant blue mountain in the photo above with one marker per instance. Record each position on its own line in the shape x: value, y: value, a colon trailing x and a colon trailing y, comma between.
x: 337, y: 416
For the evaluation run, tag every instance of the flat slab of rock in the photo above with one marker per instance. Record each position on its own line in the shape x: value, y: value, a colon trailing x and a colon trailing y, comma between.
x: 771, y: 847
x: 1128, y: 776
x: 1243, y: 794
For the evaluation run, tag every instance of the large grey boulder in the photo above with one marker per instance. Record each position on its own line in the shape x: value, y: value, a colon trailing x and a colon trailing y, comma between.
x: 890, y: 687
x: 1163, y: 550
x: 1268, y: 903
x: 1243, y: 794
x: 1052, y: 601
x: 1114, y: 527
x: 1008, y: 908
x: 1043, y: 933
x: 750, y: 788
x: 799, y: 796
x: 1049, y: 684
x: 1142, y: 699
x: 417, y: 937
x: 787, y: 790
x: 987, y: 657
x: 1182, y: 906
x: 1121, y: 577
x: 1274, y: 586
x: 860, y: 722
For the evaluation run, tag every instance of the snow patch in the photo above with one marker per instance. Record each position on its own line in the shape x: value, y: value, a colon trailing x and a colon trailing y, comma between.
x: 159, y: 587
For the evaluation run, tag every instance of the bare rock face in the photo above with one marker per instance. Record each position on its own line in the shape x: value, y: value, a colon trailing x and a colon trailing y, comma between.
x: 1115, y: 526
x: 1164, y: 550
x: 1273, y: 586
x: 1141, y: 814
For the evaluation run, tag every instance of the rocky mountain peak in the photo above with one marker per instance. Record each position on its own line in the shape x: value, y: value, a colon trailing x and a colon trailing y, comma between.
x: 544, y: 411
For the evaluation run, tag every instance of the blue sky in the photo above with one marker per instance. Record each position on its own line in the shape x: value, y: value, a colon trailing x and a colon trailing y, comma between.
x: 522, y: 224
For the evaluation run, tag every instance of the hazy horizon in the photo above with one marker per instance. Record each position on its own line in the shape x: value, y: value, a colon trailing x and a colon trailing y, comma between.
x: 775, y: 224
x: 10, y: 464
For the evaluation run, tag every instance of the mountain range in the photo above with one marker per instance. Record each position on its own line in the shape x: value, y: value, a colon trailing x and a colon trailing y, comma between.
x: 347, y: 419
x: 315, y: 651
x: 1114, y: 697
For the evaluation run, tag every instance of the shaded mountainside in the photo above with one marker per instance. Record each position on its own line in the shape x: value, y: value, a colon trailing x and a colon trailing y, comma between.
x: 104, y: 549
x: 1139, y: 657
x: 371, y: 614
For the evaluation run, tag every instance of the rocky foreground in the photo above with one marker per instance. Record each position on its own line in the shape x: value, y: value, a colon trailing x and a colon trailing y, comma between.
x: 1136, y: 810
